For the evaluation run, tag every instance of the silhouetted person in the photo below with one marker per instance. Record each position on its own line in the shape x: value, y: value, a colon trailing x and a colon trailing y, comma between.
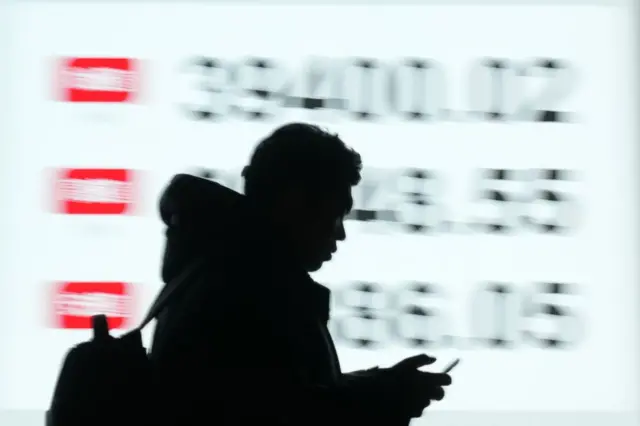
x: 247, y: 342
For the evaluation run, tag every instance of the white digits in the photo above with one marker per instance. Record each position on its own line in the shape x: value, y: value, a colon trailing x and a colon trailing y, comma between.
x: 95, y: 190
x: 89, y: 304
x: 100, y: 79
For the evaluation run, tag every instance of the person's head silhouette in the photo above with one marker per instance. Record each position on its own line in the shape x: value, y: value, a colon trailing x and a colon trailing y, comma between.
x: 301, y: 176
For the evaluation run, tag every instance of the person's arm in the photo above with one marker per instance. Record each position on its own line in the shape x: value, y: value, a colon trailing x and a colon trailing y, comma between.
x: 259, y: 374
x: 361, y: 373
x: 232, y: 360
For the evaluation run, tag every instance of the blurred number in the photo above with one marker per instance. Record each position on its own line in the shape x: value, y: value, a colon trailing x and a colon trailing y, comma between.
x: 360, y: 326
x: 373, y: 198
x: 489, y: 88
x: 417, y: 325
x: 545, y: 193
x: 213, y: 80
x: 492, y: 315
x: 548, y: 307
x: 490, y: 190
x: 420, y: 211
x: 416, y: 89
x: 498, y: 90
x: 255, y: 79
x: 560, y: 81
x: 318, y: 89
x: 364, y: 84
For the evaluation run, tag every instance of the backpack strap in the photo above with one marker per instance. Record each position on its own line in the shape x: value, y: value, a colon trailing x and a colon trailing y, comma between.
x: 170, y: 291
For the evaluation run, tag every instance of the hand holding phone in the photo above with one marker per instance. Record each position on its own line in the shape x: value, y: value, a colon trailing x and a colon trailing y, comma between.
x: 423, y: 387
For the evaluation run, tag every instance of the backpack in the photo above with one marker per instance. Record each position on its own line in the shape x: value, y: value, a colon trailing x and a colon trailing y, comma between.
x: 108, y: 380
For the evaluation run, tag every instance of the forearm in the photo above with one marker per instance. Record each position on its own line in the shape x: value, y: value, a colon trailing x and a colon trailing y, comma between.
x: 359, y: 375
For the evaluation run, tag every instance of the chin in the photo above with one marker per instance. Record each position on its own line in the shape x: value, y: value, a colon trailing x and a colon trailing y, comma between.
x: 314, y: 266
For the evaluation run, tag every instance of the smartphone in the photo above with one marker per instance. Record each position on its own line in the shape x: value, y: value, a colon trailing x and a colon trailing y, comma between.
x: 451, y: 366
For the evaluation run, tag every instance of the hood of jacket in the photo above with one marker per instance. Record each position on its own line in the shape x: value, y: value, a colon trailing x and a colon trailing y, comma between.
x: 205, y: 218
x: 201, y: 216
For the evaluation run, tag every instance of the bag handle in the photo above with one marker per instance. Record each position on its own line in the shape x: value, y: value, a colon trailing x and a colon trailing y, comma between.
x: 100, y: 324
x: 169, y: 292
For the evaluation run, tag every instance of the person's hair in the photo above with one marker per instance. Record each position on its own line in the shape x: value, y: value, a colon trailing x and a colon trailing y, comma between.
x: 304, y: 155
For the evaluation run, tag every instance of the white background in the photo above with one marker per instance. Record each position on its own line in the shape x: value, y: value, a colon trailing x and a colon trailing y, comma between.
x: 154, y: 135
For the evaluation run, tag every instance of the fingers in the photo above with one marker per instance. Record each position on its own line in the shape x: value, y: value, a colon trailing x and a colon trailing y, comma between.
x: 419, y: 399
x: 418, y: 389
x: 415, y: 362
x: 437, y: 394
x: 417, y: 412
x: 432, y: 385
x: 438, y: 379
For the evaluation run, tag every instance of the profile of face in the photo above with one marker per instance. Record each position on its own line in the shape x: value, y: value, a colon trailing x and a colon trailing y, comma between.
x: 318, y: 226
